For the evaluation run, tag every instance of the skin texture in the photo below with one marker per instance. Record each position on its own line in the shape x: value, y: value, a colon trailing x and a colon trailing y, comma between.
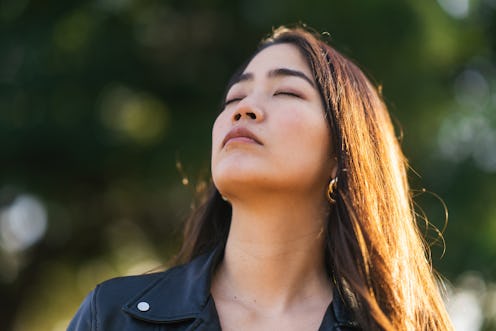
x: 273, y: 274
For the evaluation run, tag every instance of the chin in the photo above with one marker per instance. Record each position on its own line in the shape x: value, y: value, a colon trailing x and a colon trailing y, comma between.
x: 238, y: 167
x: 236, y: 179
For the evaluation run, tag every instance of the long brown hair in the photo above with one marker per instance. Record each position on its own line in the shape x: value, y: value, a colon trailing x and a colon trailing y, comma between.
x: 373, y: 247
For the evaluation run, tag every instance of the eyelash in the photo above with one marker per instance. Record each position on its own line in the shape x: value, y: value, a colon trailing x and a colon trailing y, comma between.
x: 291, y: 94
x: 228, y: 102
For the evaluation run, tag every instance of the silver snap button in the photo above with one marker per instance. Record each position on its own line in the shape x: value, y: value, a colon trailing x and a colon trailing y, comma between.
x: 143, y: 306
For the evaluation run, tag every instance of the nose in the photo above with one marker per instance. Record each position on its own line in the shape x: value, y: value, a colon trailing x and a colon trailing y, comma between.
x: 249, y: 110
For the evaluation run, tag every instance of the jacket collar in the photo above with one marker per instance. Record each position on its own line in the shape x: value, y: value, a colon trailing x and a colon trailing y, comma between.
x: 181, y: 293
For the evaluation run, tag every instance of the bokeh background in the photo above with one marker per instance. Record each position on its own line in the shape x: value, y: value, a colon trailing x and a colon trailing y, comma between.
x: 106, y: 108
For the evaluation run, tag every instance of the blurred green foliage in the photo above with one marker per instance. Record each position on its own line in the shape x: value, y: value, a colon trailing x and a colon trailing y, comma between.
x: 106, y: 108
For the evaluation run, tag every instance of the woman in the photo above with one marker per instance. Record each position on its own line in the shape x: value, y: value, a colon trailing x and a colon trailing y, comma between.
x: 309, y: 222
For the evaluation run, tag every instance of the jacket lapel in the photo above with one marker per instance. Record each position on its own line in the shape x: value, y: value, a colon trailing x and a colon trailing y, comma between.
x: 182, y: 293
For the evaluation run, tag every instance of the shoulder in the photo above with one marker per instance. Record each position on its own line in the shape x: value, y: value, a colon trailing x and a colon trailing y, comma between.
x: 178, y: 294
x: 119, y: 290
x: 107, y: 299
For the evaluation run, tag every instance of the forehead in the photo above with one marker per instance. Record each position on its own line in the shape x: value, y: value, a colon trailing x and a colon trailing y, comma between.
x: 278, y: 56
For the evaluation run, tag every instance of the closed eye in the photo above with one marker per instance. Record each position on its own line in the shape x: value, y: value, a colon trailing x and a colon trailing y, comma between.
x: 233, y: 100
x: 288, y: 93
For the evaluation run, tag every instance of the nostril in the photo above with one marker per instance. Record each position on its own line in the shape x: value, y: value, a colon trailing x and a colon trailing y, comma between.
x: 239, y: 115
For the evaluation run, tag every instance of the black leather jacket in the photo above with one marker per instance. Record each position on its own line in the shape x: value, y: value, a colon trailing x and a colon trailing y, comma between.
x: 178, y: 299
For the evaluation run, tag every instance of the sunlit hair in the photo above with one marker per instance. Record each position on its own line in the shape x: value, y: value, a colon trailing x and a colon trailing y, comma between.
x: 374, y: 251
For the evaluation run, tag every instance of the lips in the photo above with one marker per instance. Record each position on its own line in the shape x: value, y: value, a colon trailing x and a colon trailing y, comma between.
x: 240, y: 133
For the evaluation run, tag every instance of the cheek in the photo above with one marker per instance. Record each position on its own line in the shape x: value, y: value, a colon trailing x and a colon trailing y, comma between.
x: 219, y: 130
x: 306, y: 146
x: 306, y: 133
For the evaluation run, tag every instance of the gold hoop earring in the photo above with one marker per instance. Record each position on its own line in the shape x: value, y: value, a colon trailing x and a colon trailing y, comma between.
x: 331, y: 190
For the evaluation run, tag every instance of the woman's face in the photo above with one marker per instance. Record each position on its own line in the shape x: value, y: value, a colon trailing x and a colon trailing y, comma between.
x: 272, y: 134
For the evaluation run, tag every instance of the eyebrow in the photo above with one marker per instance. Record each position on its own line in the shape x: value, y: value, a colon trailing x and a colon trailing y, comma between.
x: 279, y: 72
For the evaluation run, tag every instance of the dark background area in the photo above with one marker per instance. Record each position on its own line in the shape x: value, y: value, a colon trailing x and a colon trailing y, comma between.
x: 106, y: 108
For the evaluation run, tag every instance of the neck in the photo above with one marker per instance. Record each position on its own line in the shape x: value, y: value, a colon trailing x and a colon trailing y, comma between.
x: 274, y: 256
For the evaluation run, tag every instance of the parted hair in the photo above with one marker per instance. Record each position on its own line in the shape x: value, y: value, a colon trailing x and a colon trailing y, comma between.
x: 374, y: 250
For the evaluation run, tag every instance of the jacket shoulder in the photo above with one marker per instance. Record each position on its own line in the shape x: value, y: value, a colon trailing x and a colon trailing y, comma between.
x: 176, y: 295
x: 120, y: 289
x: 101, y: 309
